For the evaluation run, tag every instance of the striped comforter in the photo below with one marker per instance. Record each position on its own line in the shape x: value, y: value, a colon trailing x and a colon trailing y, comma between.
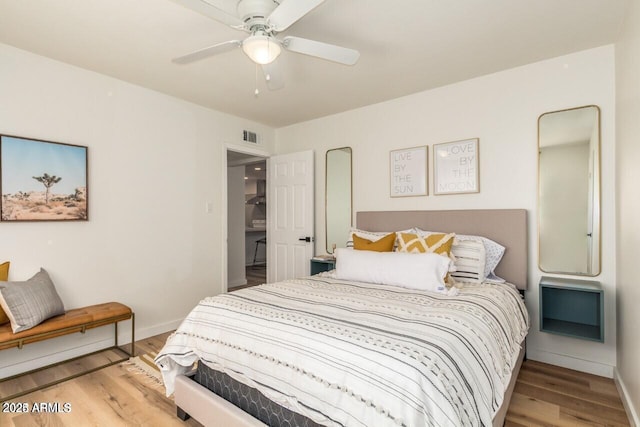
x: 358, y: 354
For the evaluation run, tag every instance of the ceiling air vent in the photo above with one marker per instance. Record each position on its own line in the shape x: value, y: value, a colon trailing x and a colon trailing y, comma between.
x: 249, y: 136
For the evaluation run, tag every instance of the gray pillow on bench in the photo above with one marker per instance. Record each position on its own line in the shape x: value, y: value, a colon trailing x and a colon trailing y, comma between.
x: 31, y: 302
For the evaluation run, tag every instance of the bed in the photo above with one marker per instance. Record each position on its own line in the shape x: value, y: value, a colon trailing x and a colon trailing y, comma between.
x: 358, y: 353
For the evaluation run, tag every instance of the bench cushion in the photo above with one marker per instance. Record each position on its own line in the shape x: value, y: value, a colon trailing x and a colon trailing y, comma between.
x: 71, y: 321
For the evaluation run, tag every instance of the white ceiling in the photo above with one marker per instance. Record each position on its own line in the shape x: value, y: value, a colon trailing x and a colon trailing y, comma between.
x: 406, y: 46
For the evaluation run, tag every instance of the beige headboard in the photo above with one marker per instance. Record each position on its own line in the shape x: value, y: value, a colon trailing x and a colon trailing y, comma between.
x: 505, y: 226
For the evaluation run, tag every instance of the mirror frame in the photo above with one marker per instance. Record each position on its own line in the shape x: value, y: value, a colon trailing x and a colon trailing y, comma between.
x: 326, y: 197
x: 597, y: 198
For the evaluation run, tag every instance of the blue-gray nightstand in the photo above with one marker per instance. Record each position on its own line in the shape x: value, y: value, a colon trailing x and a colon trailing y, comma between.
x: 320, y: 265
x: 572, y: 307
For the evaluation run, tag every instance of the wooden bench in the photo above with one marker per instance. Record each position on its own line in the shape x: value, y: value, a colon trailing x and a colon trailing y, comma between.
x: 76, y: 320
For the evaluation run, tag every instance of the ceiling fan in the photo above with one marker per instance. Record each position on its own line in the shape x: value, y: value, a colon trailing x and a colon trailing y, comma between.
x: 263, y: 19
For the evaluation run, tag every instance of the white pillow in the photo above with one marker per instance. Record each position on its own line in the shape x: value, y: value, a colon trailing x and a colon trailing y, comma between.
x: 424, y: 271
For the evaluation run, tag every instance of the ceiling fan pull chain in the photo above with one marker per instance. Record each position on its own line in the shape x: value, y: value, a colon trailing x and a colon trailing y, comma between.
x: 256, y: 92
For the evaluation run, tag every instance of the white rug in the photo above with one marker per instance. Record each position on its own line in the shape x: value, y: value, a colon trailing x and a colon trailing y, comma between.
x: 143, y: 366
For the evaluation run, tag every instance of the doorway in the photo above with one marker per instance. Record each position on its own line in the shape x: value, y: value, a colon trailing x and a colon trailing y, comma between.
x: 246, y: 220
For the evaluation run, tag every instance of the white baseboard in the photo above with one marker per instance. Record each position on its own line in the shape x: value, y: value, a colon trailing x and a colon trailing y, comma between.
x: 570, y: 362
x: 237, y: 282
x: 124, y: 337
x: 632, y: 413
x: 151, y: 331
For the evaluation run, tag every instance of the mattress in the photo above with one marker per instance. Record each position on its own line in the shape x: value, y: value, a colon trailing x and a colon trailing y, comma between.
x: 249, y: 399
x: 349, y: 353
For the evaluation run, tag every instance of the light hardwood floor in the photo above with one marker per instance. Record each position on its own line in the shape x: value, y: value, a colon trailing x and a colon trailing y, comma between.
x: 545, y: 395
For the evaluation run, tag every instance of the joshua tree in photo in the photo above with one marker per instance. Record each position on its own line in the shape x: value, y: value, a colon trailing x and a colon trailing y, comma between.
x: 48, y: 181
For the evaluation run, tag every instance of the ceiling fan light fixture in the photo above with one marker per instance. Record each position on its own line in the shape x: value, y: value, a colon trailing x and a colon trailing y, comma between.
x: 261, y: 48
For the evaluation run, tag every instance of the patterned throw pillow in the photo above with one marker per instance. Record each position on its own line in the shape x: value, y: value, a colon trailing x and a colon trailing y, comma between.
x: 438, y: 243
x: 470, y: 260
x: 4, y: 271
x: 4, y: 276
x: 385, y: 244
x: 493, y: 251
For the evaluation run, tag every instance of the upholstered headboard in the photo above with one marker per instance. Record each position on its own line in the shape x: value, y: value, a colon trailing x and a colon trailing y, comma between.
x: 505, y: 226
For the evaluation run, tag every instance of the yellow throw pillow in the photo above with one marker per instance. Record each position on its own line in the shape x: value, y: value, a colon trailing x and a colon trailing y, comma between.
x: 434, y: 243
x: 4, y: 276
x: 4, y: 271
x: 384, y: 244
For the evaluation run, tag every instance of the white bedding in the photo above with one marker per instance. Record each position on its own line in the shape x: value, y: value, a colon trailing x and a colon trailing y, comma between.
x: 356, y: 354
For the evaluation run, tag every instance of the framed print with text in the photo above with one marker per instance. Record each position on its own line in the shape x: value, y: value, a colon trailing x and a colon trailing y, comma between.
x: 408, y: 172
x: 455, y: 167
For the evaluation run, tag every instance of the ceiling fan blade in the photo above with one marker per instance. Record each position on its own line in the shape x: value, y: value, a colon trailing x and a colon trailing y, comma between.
x: 207, y: 9
x: 273, y: 76
x: 208, y: 51
x: 341, y: 55
x: 289, y: 12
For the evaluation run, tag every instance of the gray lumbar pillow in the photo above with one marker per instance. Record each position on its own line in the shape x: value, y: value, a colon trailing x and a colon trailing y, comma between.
x: 29, y: 303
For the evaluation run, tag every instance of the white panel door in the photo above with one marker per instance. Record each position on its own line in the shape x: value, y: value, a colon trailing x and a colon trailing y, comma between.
x: 290, y: 201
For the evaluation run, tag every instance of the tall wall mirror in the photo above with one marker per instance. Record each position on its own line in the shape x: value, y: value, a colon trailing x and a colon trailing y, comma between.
x: 338, y: 200
x: 569, y: 191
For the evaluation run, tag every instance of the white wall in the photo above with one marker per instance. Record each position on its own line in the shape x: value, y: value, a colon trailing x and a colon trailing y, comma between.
x: 502, y: 110
x: 628, y: 207
x: 154, y: 162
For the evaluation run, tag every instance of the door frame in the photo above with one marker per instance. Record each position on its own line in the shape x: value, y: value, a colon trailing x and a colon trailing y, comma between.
x: 251, y: 151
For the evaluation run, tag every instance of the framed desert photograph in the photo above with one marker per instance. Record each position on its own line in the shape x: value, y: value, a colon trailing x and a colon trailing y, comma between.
x: 42, y: 180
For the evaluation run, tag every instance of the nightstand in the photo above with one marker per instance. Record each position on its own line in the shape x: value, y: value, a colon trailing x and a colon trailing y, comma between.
x: 571, y: 307
x: 320, y: 265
